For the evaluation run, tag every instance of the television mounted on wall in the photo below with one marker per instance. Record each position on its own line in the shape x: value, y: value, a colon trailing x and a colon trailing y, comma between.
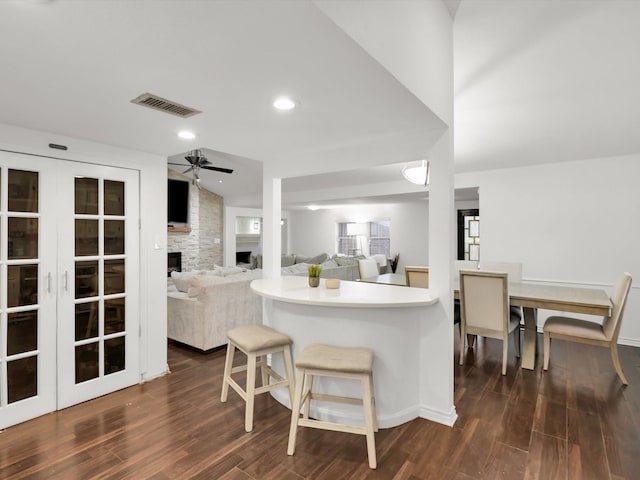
x: 178, y: 201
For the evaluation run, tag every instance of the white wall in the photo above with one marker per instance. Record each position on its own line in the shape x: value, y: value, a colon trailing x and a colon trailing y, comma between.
x: 313, y: 232
x: 153, y: 231
x: 575, y: 223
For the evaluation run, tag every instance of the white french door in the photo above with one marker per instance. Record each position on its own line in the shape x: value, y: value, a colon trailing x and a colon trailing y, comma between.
x: 27, y: 293
x: 69, y: 252
x: 98, y: 319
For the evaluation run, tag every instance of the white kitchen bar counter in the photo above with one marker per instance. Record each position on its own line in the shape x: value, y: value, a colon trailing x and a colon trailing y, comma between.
x: 294, y: 289
x: 391, y: 320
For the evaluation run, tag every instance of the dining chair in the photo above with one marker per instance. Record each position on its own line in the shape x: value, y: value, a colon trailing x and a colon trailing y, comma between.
x: 604, y: 334
x: 457, y: 266
x: 463, y: 265
x: 417, y: 276
x: 513, y: 270
x: 368, y: 267
x: 484, y: 302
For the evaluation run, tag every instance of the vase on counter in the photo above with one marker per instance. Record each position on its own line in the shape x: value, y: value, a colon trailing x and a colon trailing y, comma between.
x: 314, y: 275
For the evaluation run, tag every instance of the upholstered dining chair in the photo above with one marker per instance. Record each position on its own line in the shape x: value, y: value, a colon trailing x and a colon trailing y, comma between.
x: 463, y: 265
x: 368, y: 267
x: 513, y: 269
x: 484, y: 302
x: 592, y: 333
x: 417, y: 276
x: 457, y: 266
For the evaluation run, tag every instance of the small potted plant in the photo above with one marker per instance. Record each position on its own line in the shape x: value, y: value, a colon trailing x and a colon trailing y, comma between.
x: 314, y: 275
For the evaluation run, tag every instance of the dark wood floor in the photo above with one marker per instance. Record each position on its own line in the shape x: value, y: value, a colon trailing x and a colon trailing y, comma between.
x: 575, y: 421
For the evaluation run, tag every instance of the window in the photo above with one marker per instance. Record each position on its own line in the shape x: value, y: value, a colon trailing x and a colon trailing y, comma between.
x: 380, y: 238
x: 368, y: 238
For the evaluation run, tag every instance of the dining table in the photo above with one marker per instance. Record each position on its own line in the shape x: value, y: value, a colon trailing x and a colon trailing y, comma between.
x: 531, y: 297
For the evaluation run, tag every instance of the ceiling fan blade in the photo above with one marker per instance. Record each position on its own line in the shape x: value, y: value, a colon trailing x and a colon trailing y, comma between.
x: 181, y: 164
x: 188, y: 170
x: 217, y: 169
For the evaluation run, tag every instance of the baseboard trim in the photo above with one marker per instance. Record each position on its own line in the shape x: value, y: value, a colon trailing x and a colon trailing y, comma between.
x: 384, y: 421
x: 445, y: 418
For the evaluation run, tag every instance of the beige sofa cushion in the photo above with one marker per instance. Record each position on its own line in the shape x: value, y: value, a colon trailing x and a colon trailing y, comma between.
x: 182, y: 280
x: 312, y: 260
x: 198, y: 282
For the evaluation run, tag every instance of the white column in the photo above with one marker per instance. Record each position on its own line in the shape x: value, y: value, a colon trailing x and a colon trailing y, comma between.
x: 271, y: 215
x: 436, y: 380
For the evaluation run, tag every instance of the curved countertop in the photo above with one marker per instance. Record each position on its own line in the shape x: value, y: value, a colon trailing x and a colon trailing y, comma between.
x: 295, y: 289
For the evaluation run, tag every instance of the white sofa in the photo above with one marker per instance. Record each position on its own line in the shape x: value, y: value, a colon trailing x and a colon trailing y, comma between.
x: 203, y: 306
x: 342, y: 267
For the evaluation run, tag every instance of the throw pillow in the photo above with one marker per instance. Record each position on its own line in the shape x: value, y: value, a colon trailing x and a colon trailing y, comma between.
x: 287, y: 260
x: 181, y: 280
x: 231, y: 270
x: 329, y: 264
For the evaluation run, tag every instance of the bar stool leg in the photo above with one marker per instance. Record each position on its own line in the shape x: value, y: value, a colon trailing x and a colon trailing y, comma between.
x: 367, y: 403
x: 250, y: 391
x: 306, y: 393
x: 228, y: 364
x: 373, y: 404
x: 295, y: 412
x: 262, y: 362
x: 288, y: 367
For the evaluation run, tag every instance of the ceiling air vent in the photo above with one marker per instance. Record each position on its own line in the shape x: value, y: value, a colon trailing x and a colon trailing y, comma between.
x: 164, y: 105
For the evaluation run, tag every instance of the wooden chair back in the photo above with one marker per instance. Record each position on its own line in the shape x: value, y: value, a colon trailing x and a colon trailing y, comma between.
x: 484, y: 301
x: 417, y: 276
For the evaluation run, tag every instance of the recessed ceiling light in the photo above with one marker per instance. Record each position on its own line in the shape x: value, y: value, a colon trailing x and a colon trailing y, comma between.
x: 219, y: 181
x: 284, y: 103
x: 187, y: 135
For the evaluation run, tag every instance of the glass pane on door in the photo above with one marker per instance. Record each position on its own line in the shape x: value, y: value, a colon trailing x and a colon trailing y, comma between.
x: 22, y: 379
x: 22, y: 285
x: 86, y: 195
x: 23, y: 238
x: 113, y: 198
x: 22, y: 332
x: 23, y: 191
x: 87, y: 362
x: 86, y: 237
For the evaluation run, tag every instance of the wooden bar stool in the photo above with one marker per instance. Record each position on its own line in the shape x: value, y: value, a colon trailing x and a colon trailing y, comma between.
x: 341, y: 362
x: 256, y: 342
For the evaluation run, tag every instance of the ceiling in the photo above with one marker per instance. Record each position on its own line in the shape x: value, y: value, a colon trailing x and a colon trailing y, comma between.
x: 535, y: 82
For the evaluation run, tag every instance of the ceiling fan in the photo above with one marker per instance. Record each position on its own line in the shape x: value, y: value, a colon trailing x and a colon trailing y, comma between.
x: 197, y: 161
